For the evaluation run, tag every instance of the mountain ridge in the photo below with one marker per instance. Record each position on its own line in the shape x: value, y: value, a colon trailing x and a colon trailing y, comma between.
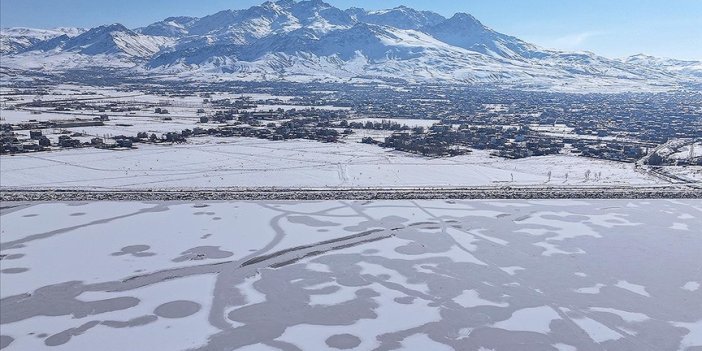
x: 315, y: 41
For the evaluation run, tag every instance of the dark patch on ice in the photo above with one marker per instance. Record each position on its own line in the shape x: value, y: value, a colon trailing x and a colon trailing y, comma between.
x: 203, y: 253
x: 311, y: 221
x: 58, y: 300
x: 421, y: 223
x: 134, y: 250
x: 11, y: 257
x: 5, y: 341
x: 216, y: 218
x: 66, y: 335
x: 343, y: 341
x: 30, y: 215
x: 325, y: 250
x: 201, y: 205
x: 385, y: 222
x: 405, y: 300
x: 523, y: 218
x: 42, y: 335
x: 205, y: 236
x: 77, y: 214
x: 384, y: 276
x: 77, y: 203
x: 412, y: 248
x: 135, y: 322
x: 262, y: 258
x: 177, y: 309
x: 17, y: 270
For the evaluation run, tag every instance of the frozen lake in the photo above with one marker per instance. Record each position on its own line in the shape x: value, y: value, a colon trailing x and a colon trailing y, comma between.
x: 386, y: 275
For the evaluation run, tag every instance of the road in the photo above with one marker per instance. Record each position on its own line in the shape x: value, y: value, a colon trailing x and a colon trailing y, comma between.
x: 535, y: 192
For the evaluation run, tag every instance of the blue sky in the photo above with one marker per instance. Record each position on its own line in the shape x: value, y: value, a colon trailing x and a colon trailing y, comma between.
x: 614, y: 28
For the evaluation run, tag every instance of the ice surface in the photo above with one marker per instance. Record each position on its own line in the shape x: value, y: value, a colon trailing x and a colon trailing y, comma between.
x: 462, y: 275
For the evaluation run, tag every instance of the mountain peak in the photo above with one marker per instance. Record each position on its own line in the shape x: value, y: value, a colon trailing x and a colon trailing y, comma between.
x: 115, y: 27
x: 401, y: 17
x: 463, y: 18
x: 287, y: 4
x: 465, y: 31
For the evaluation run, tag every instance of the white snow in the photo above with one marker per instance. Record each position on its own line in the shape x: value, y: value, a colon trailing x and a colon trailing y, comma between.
x: 691, y: 286
x: 597, y: 331
x: 693, y: 337
x: 635, y: 288
x: 422, y: 342
x: 243, y: 162
x: 471, y: 298
x: 631, y: 317
x: 591, y: 290
x: 512, y: 270
x: 535, y: 319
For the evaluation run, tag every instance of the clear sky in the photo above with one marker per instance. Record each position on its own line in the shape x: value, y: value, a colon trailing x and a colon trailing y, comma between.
x: 613, y: 28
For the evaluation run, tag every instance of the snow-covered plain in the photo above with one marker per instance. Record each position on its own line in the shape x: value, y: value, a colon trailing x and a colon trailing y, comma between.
x: 244, y: 162
x: 406, y: 275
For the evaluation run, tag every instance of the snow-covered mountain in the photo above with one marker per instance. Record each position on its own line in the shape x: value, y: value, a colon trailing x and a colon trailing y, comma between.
x: 314, y: 41
x: 464, y: 31
x: 400, y: 17
x: 114, y: 39
x: 690, y: 68
x: 174, y: 27
x: 14, y: 40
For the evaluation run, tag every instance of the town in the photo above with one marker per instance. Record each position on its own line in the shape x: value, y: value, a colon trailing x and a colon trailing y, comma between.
x: 510, y: 124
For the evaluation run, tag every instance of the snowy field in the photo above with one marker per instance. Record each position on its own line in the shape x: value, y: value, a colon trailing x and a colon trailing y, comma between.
x: 692, y: 173
x: 687, y: 151
x: 179, y: 107
x: 245, y: 162
x: 389, y: 275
